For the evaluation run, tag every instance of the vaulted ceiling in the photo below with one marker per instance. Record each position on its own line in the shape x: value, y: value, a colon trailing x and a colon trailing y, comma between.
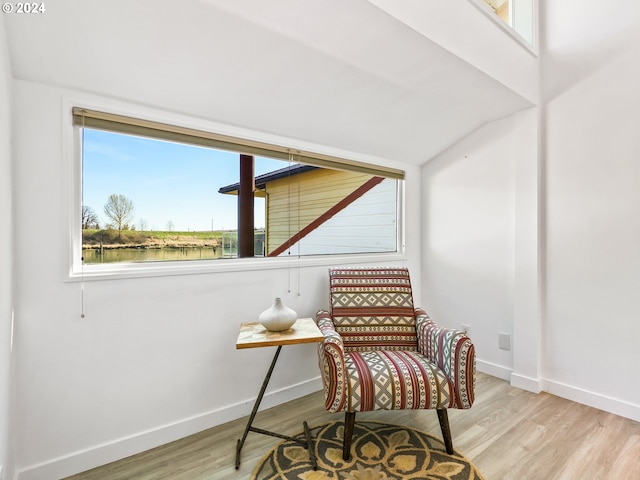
x: 339, y: 73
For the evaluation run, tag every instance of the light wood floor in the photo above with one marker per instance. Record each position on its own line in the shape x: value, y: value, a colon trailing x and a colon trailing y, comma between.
x: 509, y: 434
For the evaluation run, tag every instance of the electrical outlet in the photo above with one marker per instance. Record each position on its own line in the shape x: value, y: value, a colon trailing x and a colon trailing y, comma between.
x: 465, y: 327
x: 504, y: 341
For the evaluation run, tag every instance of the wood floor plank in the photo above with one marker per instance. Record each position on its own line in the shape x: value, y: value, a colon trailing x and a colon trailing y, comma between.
x: 627, y: 463
x: 509, y: 434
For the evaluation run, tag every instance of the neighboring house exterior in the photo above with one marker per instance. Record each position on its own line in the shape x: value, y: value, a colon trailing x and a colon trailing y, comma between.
x: 312, y: 211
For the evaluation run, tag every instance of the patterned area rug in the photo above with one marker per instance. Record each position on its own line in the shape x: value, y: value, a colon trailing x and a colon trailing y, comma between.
x: 380, y: 451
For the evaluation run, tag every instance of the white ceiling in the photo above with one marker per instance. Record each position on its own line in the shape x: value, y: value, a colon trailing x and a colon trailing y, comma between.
x: 333, y: 72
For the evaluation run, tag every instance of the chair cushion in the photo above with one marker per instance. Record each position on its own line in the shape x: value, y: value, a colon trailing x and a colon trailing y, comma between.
x: 372, y: 308
x: 394, y: 380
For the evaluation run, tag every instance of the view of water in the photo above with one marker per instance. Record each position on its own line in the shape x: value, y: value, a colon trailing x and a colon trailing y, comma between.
x: 150, y: 255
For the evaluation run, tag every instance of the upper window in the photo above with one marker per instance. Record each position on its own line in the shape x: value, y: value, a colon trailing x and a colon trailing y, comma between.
x: 154, y: 192
x: 518, y: 14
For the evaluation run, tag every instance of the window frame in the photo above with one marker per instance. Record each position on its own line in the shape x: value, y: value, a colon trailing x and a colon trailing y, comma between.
x: 533, y: 47
x: 76, y: 271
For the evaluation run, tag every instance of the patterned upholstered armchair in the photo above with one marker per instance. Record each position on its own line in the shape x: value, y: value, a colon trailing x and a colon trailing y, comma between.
x: 381, y: 353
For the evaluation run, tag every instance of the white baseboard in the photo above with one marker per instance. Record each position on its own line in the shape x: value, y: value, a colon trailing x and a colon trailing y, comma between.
x: 493, y: 369
x: 526, y: 383
x: 109, y: 452
x: 575, y: 394
x: 593, y: 399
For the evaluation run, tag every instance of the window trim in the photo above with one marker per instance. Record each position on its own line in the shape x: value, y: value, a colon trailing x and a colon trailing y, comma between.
x: 75, y: 271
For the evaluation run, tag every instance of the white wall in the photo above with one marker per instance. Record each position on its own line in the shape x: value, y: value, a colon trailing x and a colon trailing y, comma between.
x: 462, y: 28
x: 591, y: 77
x: 6, y: 220
x: 155, y: 358
x: 469, y: 234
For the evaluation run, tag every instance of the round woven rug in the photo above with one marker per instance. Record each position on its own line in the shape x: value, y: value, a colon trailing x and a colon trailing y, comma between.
x: 379, y: 451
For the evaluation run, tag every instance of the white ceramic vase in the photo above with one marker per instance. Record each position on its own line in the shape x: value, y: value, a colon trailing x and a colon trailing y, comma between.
x: 278, y: 317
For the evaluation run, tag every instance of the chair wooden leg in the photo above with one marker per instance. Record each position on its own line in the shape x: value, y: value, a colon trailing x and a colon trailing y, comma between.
x: 349, y: 423
x: 443, y: 417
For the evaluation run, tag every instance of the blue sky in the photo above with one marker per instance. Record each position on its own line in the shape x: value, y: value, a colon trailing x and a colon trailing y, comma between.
x: 167, y: 182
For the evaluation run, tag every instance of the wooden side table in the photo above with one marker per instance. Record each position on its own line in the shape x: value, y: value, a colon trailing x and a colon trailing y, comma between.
x: 254, y: 335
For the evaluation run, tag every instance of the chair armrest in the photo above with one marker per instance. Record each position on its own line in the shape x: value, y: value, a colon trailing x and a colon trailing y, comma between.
x: 453, y: 352
x: 331, y: 359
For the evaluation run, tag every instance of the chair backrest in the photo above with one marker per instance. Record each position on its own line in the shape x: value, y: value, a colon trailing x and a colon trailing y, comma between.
x: 372, y: 308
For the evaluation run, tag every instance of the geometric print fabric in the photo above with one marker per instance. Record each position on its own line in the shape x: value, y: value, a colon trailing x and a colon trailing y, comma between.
x: 379, y: 337
x: 453, y: 353
x: 377, y: 301
x: 394, y: 380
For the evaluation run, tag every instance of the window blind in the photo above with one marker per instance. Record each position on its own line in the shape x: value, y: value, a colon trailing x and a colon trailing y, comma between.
x: 146, y: 128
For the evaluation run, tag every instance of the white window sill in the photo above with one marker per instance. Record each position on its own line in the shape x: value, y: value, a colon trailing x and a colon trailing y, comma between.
x: 116, y: 271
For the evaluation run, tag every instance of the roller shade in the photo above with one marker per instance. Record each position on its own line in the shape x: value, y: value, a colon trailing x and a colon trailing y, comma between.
x: 147, y: 128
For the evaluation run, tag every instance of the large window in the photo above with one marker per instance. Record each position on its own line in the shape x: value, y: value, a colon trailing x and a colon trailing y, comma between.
x: 153, y: 192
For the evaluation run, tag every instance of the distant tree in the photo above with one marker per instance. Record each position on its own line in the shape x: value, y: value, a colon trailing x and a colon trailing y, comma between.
x: 119, y: 209
x: 89, y: 218
x: 142, y: 224
x: 170, y: 226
